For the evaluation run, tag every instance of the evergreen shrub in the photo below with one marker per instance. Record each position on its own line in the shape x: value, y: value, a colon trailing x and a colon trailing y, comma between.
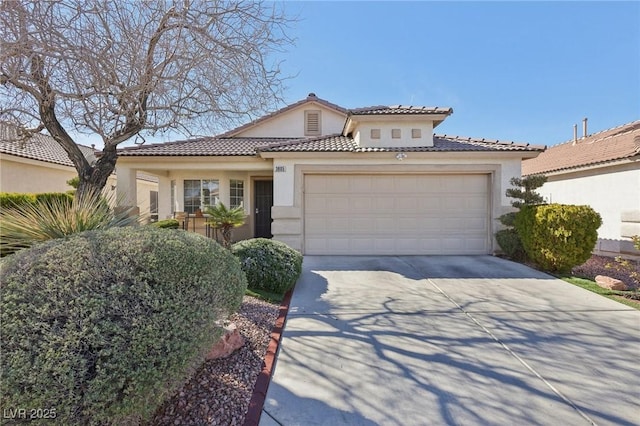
x: 104, y: 325
x: 558, y: 237
x: 269, y: 265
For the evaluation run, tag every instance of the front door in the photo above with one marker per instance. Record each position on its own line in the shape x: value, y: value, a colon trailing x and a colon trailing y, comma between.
x: 263, y: 201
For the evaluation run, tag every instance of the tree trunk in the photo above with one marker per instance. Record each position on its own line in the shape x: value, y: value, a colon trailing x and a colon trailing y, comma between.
x: 94, y: 178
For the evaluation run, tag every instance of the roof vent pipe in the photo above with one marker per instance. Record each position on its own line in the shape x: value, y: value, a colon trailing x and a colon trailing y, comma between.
x: 584, y: 127
x: 575, y: 134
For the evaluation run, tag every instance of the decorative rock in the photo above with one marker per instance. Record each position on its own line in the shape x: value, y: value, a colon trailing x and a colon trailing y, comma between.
x: 610, y: 283
x: 229, y: 343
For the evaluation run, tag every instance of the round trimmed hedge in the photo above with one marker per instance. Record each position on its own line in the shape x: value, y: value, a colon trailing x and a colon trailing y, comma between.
x: 270, y: 265
x: 104, y: 325
x: 558, y: 237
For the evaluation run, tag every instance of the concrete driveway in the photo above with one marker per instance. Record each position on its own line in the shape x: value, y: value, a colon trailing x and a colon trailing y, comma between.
x: 472, y: 340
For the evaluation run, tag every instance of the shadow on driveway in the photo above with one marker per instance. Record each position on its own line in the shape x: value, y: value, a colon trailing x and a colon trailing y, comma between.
x: 451, y: 340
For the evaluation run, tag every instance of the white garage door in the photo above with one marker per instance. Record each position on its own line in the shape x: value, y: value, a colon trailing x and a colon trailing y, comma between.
x: 396, y: 214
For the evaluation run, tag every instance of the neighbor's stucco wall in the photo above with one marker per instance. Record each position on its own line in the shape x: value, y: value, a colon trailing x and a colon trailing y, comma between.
x: 290, y: 124
x: 31, y: 176
x: 612, y: 191
x: 25, y: 175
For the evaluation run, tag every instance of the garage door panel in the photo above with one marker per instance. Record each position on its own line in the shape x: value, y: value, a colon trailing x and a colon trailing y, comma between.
x: 396, y: 214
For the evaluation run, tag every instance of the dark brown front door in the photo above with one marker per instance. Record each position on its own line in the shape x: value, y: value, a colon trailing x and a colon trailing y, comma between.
x: 263, y: 197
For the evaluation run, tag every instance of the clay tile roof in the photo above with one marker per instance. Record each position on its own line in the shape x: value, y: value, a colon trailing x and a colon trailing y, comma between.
x: 340, y: 143
x: 211, y: 146
x: 609, y: 145
x: 400, y: 109
x: 332, y: 143
x: 39, y: 147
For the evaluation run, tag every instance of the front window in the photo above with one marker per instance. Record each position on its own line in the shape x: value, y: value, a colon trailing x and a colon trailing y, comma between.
x: 199, y: 193
x: 210, y: 194
x: 236, y: 198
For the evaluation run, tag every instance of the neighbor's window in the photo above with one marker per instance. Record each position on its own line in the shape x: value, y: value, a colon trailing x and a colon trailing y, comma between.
x: 236, y: 198
x: 416, y: 133
x: 395, y: 133
x: 375, y: 133
x: 199, y: 193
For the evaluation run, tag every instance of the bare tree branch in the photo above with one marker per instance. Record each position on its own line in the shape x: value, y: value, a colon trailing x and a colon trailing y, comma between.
x: 119, y: 69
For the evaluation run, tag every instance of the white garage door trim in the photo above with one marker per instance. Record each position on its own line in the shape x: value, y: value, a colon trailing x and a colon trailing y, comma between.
x: 387, y: 214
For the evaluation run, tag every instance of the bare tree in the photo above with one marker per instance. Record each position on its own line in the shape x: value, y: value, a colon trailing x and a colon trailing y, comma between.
x: 121, y: 69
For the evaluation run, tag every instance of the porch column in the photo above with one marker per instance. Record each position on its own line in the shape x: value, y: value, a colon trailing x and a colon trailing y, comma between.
x: 126, y: 188
x: 164, y: 197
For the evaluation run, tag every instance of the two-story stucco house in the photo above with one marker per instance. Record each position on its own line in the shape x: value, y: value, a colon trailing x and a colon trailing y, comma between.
x: 601, y: 170
x: 327, y: 180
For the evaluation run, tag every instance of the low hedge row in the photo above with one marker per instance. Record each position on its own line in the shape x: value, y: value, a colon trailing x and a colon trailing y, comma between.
x: 167, y: 224
x: 104, y: 325
x: 14, y: 199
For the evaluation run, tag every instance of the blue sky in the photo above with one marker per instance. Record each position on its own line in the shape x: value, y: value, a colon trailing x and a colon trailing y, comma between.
x: 522, y: 71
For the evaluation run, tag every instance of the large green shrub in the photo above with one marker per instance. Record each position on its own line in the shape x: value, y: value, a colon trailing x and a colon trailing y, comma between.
x: 558, y: 237
x: 104, y: 325
x: 270, y: 265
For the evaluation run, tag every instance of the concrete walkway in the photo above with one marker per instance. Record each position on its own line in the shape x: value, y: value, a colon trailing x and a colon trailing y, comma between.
x: 451, y: 340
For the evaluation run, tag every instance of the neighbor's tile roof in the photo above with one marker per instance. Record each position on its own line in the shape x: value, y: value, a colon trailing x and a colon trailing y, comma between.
x: 609, y: 145
x: 444, y: 143
x: 400, y: 110
x: 39, y: 147
x: 213, y: 146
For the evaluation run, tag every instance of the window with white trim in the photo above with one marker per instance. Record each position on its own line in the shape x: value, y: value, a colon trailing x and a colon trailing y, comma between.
x: 200, y: 193
x: 236, y: 193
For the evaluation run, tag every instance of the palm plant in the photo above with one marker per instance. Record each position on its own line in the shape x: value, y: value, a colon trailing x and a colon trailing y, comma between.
x: 27, y: 224
x: 225, y: 219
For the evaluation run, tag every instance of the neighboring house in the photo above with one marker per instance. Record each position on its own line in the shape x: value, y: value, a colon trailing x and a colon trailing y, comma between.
x: 327, y: 180
x: 41, y: 165
x: 601, y: 170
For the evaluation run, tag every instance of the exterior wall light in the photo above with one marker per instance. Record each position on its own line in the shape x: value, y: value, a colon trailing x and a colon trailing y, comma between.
x: 401, y: 156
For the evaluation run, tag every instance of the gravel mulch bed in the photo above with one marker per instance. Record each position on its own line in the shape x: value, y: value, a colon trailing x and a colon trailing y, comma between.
x: 219, y: 393
x: 597, y: 265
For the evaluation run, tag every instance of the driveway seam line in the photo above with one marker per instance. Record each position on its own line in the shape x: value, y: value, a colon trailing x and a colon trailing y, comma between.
x: 512, y: 353
x: 272, y: 418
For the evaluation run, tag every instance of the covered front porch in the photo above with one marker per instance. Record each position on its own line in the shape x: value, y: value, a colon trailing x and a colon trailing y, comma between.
x: 187, y: 186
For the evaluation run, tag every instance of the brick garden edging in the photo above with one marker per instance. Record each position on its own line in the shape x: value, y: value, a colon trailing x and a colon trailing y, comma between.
x: 264, y: 378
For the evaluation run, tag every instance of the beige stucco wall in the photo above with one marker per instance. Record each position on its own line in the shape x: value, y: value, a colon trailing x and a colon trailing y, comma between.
x: 290, y: 124
x: 25, y: 175
x: 612, y: 191
x: 362, y: 134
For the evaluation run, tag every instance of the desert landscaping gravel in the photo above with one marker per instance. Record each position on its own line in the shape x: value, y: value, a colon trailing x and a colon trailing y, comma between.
x: 220, y: 391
